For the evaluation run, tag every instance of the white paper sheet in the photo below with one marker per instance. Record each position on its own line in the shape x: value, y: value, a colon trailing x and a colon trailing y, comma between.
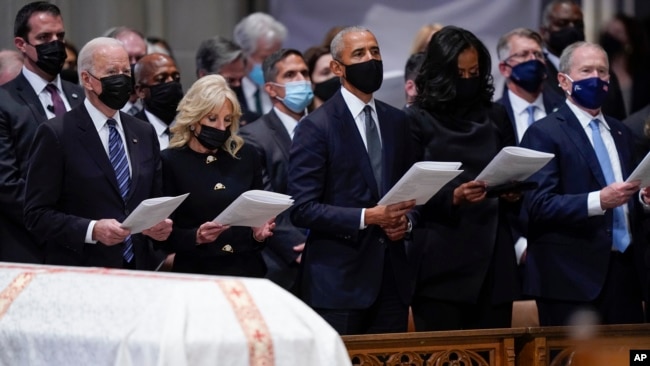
x: 513, y: 164
x: 254, y: 208
x: 642, y: 172
x: 421, y: 182
x: 152, y: 211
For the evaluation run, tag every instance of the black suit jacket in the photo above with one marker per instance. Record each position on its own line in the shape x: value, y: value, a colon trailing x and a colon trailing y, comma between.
x: 569, y: 251
x: 552, y: 101
x: 71, y: 181
x: 613, y: 105
x: 20, y: 114
x: 272, y: 142
x: 331, y: 180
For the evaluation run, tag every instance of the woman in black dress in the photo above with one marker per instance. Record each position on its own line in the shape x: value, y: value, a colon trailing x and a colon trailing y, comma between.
x: 467, y: 276
x: 209, y: 160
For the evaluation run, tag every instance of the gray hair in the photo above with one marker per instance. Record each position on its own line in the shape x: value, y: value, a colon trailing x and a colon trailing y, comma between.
x: 116, y: 32
x: 215, y: 53
x: 85, y: 59
x: 255, y: 27
x: 337, y: 45
x: 567, y: 55
x: 503, y: 46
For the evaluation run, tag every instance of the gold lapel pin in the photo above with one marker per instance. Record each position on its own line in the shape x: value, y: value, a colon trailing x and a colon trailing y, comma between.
x: 210, y: 158
x: 219, y: 186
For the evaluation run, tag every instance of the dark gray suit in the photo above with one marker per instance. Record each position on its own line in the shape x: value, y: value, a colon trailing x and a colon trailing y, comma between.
x: 272, y: 142
x: 20, y: 114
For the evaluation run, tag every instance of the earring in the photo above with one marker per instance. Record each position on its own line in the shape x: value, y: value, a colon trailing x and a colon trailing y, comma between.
x: 192, y: 128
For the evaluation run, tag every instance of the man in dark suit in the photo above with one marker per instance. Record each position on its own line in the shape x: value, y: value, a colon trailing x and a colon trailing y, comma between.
x: 287, y: 83
x: 344, y: 158
x: 523, y: 65
x: 563, y: 24
x: 158, y: 85
x: 581, y: 248
x: 91, y: 167
x: 218, y: 55
x: 36, y: 94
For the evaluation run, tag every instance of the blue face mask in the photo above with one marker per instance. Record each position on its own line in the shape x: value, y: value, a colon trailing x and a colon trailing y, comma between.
x: 589, y: 93
x: 257, y: 75
x: 298, y: 95
x: 529, y: 75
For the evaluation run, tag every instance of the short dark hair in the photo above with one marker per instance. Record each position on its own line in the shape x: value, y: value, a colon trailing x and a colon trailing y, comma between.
x: 21, y: 24
x: 268, y: 66
x: 413, y: 64
x: 214, y: 53
x: 313, y: 54
x: 436, y: 82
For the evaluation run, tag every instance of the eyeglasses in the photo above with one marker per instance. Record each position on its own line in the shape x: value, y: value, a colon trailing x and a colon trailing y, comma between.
x: 526, y: 55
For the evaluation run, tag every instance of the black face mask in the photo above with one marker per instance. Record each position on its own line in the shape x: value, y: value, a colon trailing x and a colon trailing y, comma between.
x: 326, y: 89
x: 70, y: 75
x: 559, y: 40
x: 51, y: 57
x: 163, y: 100
x: 467, y: 89
x: 365, y: 76
x: 212, y: 138
x: 610, y: 44
x: 116, y: 90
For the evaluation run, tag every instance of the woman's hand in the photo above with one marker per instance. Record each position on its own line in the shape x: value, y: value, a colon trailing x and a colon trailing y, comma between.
x: 261, y: 233
x: 471, y: 192
x: 209, y: 232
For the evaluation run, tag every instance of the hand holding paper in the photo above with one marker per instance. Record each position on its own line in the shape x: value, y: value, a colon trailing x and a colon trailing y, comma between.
x: 421, y: 182
x: 513, y: 164
x: 254, y: 208
x: 151, y: 212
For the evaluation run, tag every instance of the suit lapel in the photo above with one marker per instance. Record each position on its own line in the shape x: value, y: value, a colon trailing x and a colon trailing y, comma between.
x: 354, y: 143
x: 132, y: 146
x: 29, y: 97
x: 89, y: 139
x: 387, y: 146
x: 71, y: 95
x: 577, y: 135
x: 505, y: 101
x: 280, y: 134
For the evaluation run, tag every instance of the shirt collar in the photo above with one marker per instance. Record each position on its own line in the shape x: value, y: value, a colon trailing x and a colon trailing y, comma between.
x: 98, y: 118
x: 583, y: 117
x: 287, y: 121
x: 356, y: 105
x: 555, y: 60
x: 38, y: 83
x: 519, y: 104
x: 157, y: 123
x: 248, y: 87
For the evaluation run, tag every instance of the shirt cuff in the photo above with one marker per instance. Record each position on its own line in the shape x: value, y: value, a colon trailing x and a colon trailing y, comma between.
x: 89, y: 233
x: 520, y: 248
x: 362, y: 224
x: 593, y: 204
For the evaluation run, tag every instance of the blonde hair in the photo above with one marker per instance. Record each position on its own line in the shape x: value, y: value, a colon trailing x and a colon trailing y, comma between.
x: 206, y: 94
x: 423, y: 36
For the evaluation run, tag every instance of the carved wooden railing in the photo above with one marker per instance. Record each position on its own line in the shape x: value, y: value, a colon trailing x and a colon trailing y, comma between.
x: 539, y: 346
x: 492, y: 347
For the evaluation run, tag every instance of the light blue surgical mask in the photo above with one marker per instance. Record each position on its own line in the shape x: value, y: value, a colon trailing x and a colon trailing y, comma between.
x: 298, y: 95
x: 257, y: 75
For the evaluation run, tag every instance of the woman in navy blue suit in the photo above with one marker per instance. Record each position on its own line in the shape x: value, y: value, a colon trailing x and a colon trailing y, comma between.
x: 209, y: 160
x: 467, y: 275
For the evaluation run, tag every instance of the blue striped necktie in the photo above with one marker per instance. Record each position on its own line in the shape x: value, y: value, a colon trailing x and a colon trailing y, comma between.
x: 117, y: 155
x: 620, y: 237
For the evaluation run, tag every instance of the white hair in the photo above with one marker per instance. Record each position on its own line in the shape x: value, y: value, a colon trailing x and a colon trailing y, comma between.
x: 256, y: 27
x: 85, y: 59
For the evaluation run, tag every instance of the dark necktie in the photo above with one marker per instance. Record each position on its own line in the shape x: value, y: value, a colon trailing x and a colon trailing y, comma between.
x: 620, y: 237
x: 57, y: 102
x: 117, y: 155
x: 374, y: 144
x: 258, y: 101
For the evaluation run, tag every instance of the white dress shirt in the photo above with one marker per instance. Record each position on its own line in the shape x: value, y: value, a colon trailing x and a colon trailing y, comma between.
x: 520, y: 113
x: 39, y: 84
